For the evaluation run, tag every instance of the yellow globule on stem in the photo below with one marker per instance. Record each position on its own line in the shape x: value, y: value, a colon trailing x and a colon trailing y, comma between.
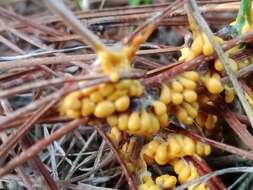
x: 207, y: 47
x: 104, y: 109
x: 165, y: 95
x: 166, y: 181
x: 213, y: 83
x: 122, y: 103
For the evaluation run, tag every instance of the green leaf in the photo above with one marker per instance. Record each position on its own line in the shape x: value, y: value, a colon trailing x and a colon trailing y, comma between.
x: 78, y: 4
x: 243, y: 15
x: 147, y: 2
x: 134, y: 2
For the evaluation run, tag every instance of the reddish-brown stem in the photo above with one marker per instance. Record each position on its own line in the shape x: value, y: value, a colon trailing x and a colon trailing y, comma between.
x: 239, y: 128
x: 203, y: 169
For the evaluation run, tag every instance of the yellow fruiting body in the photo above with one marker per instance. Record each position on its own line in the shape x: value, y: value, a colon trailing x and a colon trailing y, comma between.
x: 185, y: 52
x: 127, y: 107
x: 73, y: 114
x: 181, y: 114
x: 149, y: 150
x: 134, y: 122
x: 136, y: 89
x: 159, y: 107
x: 122, y: 103
x: 88, y: 107
x: 161, y: 155
x: 176, y: 146
x: 213, y: 83
x: 207, y: 48
x: 186, y: 171
x: 104, y: 109
x: 176, y: 86
x: 229, y: 94
x: 184, y: 174
x: 164, y: 120
x: 190, y: 95
x: 191, y: 110
x: 177, y: 98
x: 187, y: 112
x: 112, y: 120
x: 123, y: 121
x: 165, y: 95
x: 106, y: 89
x: 117, y: 94
x: 148, y: 184
x: 155, y: 124
x: 207, y: 121
x: 166, y: 181
x: 146, y: 121
x: 187, y: 83
x: 211, y: 121
x: 72, y: 102
x: 96, y: 97
x: 115, y: 135
x: 197, y: 45
x: 192, y: 75
x: 218, y: 65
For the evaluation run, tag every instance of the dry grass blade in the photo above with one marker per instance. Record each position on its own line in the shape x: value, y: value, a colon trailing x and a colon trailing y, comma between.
x: 38, y: 146
x: 23, y: 129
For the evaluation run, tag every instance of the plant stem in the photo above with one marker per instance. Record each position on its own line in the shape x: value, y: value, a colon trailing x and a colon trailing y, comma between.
x: 87, y: 36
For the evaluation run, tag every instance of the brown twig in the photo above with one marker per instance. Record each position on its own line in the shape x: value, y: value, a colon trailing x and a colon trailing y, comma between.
x: 239, y: 128
x: 87, y: 36
x: 8, y: 14
x: 203, y: 169
x: 35, y: 161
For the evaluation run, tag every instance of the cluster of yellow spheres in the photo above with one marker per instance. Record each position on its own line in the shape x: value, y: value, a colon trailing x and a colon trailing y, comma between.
x: 186, y: 171
x: 102, y: 100
x: 212, y: 82
x: 161, y: 182
x: 187, y: 112
x: 113, y: 103
x: 142, y: 123
x: 181, y: 92
x: 233, y: 65
x: 180, y: 89
x: 200, y: 45
x: 176, y: 146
